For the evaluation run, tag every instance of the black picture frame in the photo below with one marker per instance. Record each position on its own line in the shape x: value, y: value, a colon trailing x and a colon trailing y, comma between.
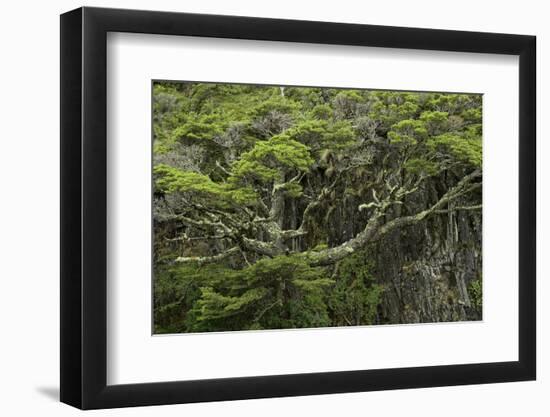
x: 84, y: 207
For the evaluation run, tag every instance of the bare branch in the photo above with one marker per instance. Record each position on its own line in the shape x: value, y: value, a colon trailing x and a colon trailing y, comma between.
x: 464, y: 208
x: 290, y: 234
x: 201, y: 224
x: 208, y: 259
x: 220, y: 166
x: 186, y: 238
x: 262, y: 248
x: 375, y: 197
x: 372, y: 204
x: 463, y: 187
x: 331, y: 255
x: 374, y: 229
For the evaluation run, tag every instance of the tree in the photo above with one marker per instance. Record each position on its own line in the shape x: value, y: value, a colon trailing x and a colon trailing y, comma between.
x: 258, y: 170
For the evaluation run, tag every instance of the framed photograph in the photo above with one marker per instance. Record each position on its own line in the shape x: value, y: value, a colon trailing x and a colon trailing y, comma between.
x: 258, y: 208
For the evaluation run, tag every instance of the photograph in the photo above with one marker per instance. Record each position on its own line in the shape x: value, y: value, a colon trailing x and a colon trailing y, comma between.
x: 267, y: 209
x: 294, y: 207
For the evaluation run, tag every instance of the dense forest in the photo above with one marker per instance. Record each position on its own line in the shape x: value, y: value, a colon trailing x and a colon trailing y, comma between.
x: 292, y: 207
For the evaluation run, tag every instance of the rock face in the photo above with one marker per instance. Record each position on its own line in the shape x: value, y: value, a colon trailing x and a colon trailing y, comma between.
x: 427, y: 275
x: 427, y: 269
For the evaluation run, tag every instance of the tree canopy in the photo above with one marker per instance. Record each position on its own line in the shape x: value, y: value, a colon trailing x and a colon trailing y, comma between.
x: 247, y: 180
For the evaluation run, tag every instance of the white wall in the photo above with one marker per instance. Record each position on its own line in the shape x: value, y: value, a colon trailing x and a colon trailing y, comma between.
x: 29, y: 238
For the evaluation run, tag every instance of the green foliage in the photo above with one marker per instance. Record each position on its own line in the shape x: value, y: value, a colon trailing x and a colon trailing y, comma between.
x: 408, y: 132
x: 434, y: 121
x: 199, y: 128
x: 346, y: 103
x: 475, y: 291
x: 214, y: 306
x: 176, y: 289
x: 283, y: 292
x: 322, y: 112
x: 421, y: 166
x: 170, y: 180
x: 292, y: 189
x: 321, y: 134
x: 355, y: 296
x: 453, y: 104
x: 472, y: 115
x: 231, y: 101
x: 389, y: 108
x: 276, y: 103
x: 270, y: 159
x: 169, y: 111
x: 466, y: 148
x: 351, y: 95
x: 431, y: 142
x: 308, y: 97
